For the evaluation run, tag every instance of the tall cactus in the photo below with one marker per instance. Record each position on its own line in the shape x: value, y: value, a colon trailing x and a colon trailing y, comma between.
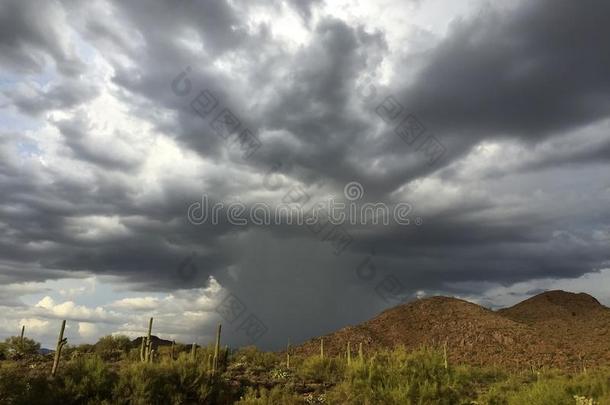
x: 194, y: 351
x: 360, y: 353
x: 288, y: 355
x: 216, y: 350
x: 321, y: 348
x: 151, y: 353
x: 61, y: 342
x: 147, y: 358
x: 171, y: 353
x: 21, y: 337
x: 349, y: 354
x: 446, y: 363
x: 142, y: 349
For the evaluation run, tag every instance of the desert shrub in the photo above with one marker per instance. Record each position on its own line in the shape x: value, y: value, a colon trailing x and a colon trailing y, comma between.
x: 86, y: 380
x: 179, y: 382
x: 18, y: 387
x: 274, y: 396
x: 113, y: 348
x: 544, y: 392
x: 14, y: 348
x: 74, y: 352
x: 318, y: 369
x: 552, y: 387
x: 497, y: 392
x: 141, y: 383
x: 252, y: 357
x: 399, y: 377
x: 595, y: 384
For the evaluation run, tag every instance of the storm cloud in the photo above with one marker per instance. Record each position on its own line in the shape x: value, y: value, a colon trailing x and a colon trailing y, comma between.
x: 490, y: 121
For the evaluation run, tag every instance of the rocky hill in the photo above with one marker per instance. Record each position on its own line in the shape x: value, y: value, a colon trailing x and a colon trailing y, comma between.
x: 577, y: 323
x: 156, y: 341
x: 552, y: 329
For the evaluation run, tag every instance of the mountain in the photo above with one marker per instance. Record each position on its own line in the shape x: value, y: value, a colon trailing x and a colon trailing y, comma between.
x: 516, y: 337
x: 156, y: 341
x: 577, y: 323
x: 555, y: 304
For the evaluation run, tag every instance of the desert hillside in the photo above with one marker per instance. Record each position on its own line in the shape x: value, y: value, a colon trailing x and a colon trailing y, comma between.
x: 555, y: 328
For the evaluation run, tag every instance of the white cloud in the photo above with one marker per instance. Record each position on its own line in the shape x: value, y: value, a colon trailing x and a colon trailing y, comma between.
x: 135, y: 304
x: 181, y: 315
x: 594, y: 283
x: 88, y: 330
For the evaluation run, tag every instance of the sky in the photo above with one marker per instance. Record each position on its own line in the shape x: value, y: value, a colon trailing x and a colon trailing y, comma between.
x: 488, y: 120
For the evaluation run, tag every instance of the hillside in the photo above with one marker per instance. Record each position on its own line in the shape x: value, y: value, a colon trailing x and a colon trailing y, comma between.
x: 538, y: 331
x: 156, y: 341
x: 577, y: 323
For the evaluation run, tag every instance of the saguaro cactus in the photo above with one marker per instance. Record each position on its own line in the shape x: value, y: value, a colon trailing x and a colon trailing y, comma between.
x: 142, y: 349
x: 349, y: 354
x: 360, y: 353
x: 288, y: 355
x: 148, y: 345
x: 152, y: 352
x: 216, y: 350
x: 445, y: 355
x: 21, y: 337
x: 194, y: 351
x: 61, y: 342
x: 171, y: 354
x: 322, y: 348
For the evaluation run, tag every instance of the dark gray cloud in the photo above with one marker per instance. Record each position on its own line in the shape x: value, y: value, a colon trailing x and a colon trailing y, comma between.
x: 518, y: 97
x: 530, y: 73
x: 33, y: 30
x: 33, y: 101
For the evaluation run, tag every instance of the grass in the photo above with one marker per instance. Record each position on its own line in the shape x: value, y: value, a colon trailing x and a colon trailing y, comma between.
x: 254, y: 377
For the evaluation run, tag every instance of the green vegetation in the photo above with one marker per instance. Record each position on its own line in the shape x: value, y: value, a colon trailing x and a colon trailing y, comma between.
x: 111, y: 372
x: 16, y: 348
x: 112, y: 348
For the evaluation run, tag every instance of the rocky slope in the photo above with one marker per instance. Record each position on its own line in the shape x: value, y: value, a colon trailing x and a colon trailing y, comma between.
x: 552, y: 329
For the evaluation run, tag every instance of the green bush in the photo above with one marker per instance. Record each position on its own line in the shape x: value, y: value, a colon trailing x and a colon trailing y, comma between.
x: 23, y: 387
x: 250, y: 356
x: 179, y: 382
x: 399, y: 377
x: 86, y: 380
x: 274, y: 396
x: 113, y: 348
x: 14, y: 348
x: 318, y: 369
